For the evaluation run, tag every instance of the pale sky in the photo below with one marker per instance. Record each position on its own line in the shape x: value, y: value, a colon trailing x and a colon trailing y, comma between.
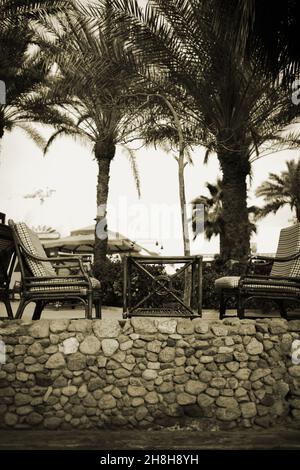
x: 70, y: 170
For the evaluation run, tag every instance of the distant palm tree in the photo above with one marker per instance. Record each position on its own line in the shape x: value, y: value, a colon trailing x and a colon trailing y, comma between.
x: 213, y: 213
x: 281, y: 190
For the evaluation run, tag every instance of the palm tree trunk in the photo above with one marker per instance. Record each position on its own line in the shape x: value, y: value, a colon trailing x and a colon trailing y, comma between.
x: 235, y: 243
x: 298, y: 212
x: 1, y: 124
x: 104, y: 153
x: 182, y: 198
x: 185, y: 229
x: 223, y: 242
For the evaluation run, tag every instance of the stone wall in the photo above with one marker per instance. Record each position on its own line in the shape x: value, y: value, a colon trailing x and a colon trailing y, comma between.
x: 143, y: 372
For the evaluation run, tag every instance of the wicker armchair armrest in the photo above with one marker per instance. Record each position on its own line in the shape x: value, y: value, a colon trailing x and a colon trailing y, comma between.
x: 272, y: 259
x: 82, y: 263
x: 84, y: 257
x: 59, y: 259
x: 257, y: 261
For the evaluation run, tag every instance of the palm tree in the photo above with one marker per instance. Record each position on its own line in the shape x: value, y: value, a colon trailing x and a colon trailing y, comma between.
x: 20, y: 72
x: 213, y: 222
x: 213, y: 213
x: 10, y: 9
x: 273, y: 37
x: 89, y: 96
x: 281, y: 190
x: 242, y: 111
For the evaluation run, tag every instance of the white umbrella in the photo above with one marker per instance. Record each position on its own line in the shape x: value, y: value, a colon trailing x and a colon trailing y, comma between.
x: 82, y: 241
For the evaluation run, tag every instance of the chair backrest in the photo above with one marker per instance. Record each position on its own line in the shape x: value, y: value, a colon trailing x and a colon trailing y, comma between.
x: 288, y: 245
x: 7, y: 255
x: 28, y: 240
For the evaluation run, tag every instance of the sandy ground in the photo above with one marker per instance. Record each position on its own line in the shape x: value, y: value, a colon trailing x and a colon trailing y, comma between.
x: 274, y: 438
x: 51, y: 312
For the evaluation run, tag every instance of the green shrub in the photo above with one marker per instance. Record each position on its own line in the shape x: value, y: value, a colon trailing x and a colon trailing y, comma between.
x: 112, y: 283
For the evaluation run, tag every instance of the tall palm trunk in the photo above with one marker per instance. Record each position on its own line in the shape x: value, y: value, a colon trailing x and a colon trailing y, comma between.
x: 182, y: 198
x: 104, y: 153
x: 223, y: 242
x: 298, y: 212
x: 235, y: 241
x: 183, y: 208
x: 1, y: 124
x: 185, y: 228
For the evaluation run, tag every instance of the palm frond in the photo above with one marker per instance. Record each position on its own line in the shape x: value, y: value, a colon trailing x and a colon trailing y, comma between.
x: 34, y: 135
x: 132, y: 159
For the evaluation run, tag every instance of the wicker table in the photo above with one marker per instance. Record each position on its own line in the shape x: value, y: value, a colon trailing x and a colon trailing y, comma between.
x: 162, y: 285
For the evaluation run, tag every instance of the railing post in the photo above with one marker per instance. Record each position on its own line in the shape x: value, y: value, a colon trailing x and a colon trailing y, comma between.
x: 200, y: 273
x: 125, y: 282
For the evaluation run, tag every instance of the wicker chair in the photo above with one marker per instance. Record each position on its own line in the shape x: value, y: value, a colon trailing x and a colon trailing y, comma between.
x: 281, y: 285
x: 41, y: 279
x: 7, y: 262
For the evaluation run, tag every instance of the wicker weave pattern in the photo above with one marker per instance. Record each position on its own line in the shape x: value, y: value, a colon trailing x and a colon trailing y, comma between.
x: 271, y: 287
x: 59, y: 289
x: 67, y: 285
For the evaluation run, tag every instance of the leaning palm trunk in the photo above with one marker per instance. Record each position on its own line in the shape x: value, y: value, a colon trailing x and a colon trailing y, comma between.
x: 104, y: 153
x: 235, y: 242
x: 185, y: 228
x: 182, y: 198
x: 184, y: 221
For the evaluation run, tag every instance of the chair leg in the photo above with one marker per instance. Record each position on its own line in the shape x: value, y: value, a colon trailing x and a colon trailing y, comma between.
x: 38, y: 310
x: 97, y: 304
x: 9, y: 311
x: 222, y: 305
x: 89, y: 307
x: 282, y: 309
x: 22, y: 305
x: 240, y: 307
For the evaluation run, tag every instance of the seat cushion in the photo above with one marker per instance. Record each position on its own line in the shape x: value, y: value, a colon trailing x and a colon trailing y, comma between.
x: 273, y: 286
x: 227, y: 282
x: 32, y: 243
x: 65, y: 285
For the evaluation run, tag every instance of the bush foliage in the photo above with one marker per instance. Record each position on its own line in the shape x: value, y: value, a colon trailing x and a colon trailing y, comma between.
x: 112, y: 284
